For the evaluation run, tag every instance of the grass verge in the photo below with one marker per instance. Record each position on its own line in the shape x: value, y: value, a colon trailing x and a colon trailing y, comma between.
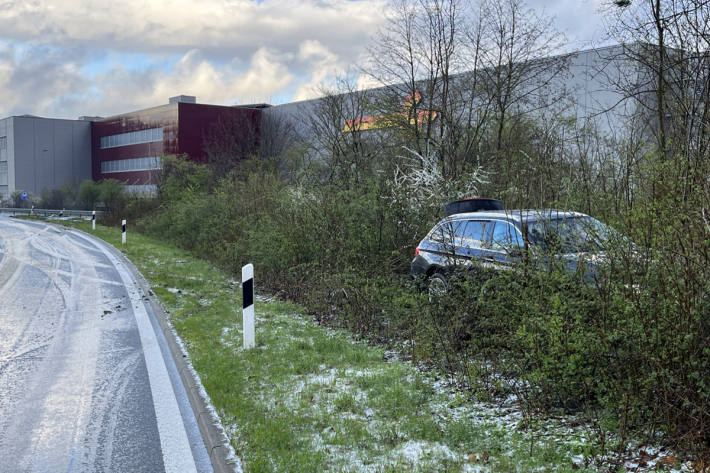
x: 309, y: 398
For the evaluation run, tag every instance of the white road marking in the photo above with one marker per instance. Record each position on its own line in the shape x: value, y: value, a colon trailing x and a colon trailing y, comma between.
x: 177, y: 454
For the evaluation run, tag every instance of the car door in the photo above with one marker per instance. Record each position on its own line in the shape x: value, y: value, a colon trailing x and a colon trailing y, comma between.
x: 503, y: 244
x: 472, y: 241
x: 442, y: 243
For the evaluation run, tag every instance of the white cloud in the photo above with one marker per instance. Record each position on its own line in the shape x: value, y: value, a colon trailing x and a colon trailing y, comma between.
x: 267, y: 75
x: 57, y: 89
x: 215, y: 26
x: 31, y: 79
x: 322, y: 64
x: 223, y: 51
x: 193, y: 74
x: 580, y: 21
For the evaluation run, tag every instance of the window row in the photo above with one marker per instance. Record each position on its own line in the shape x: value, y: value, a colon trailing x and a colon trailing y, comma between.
x: 494, y: 235
x: 134, y: 164
x: 3, y: 142
x: 142, y: 189
x: 132, y: 138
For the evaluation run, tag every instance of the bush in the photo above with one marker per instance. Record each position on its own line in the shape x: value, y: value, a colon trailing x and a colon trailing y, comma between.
x: 113, y: 197
x: 89, y: 194
x: 180, y: 176
x: 16, y: 199
x: 629, y: 350
x: 51, y: 199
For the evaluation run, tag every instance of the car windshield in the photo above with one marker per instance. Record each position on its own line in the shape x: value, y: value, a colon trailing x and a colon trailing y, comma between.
x: 569, y: 234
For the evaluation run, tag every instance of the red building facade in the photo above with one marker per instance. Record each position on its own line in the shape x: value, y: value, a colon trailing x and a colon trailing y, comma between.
x: 129, y: 147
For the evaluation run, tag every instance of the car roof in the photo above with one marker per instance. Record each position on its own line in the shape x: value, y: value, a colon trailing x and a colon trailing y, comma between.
x: 517, y: 215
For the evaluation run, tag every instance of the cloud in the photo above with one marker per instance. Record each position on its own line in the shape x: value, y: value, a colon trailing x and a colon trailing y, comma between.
x: 31, y: 78
x: 580, y: 21
x: 95, y: 58
x: 322, y: 64
x: 193, y: 74
x: 47, y: 85
x: 220, y: 28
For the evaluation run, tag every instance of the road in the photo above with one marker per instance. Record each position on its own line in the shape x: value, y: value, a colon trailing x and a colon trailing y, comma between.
x: 87, y: 383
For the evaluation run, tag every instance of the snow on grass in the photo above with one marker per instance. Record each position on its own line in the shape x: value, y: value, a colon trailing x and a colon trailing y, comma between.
x: 176, y: 290
x: 383, y: 415
x: 359, y: 424
x: 416, y: 451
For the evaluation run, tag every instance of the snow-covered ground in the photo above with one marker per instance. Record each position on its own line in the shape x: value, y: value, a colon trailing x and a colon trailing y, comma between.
x: 342, y: 397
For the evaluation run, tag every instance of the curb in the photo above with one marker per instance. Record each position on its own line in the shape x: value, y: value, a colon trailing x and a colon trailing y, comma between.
x: 218, y: 447
x: 216, y: 442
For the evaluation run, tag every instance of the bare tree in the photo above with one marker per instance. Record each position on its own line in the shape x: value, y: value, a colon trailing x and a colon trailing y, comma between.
x: 517, y: 66
x: 340, y: 127
x: 668, y: 40
x: 667, y: 43
x: 232, y: 139
x: 228, y: 141
x: 462, y: 67
x: 276, y: 135
x: 416, y: 56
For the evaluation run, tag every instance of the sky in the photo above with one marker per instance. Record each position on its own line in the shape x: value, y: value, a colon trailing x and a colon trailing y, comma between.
x: 67, y: 58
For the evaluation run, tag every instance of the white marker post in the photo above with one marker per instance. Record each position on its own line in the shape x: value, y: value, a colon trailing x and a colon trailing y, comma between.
x: 123, y: 232
x: 32, y: 210
x: 248, y: 305
x: 93, y: 219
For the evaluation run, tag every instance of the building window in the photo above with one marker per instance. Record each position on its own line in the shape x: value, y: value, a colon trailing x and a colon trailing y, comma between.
x: 3, y: 148
x: 132, y: 138
x: 3, y: 173
x: 145, y: 189
x: 148, y: 163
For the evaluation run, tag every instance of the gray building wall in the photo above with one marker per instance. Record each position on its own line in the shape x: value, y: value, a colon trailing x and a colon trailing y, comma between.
x: 45, y: 153
x: 599, y: 81
x: 7, y: 176
x: 588, y: 88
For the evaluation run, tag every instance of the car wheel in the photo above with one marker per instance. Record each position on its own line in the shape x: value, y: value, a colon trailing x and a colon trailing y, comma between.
x: 438, y: 286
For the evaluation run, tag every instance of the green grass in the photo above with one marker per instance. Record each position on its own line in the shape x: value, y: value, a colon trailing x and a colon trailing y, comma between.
x: 311, y: 399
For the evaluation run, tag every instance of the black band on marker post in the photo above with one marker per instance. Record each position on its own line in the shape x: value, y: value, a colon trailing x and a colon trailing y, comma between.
x: 247, y: 293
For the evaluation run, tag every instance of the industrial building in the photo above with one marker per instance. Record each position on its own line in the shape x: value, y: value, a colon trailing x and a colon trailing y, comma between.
x: 38, y: 153
x: 44, y: 153
x: 129, y: 147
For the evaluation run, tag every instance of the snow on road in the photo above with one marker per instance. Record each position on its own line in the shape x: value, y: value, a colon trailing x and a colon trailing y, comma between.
x: 79, y: 390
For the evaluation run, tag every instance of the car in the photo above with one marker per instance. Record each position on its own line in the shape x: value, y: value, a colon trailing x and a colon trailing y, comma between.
x: 479, y: 234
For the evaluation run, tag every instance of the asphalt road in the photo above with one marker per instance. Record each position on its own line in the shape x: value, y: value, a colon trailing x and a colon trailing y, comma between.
x: 87, y: 383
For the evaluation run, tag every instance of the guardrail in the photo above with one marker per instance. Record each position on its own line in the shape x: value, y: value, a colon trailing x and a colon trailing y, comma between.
x: 50, y: 212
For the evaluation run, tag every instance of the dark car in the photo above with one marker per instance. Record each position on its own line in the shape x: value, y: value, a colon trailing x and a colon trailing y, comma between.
x: 497, y: 240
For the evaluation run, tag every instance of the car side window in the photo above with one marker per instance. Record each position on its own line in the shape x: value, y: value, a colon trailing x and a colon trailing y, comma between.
x: 446, y: 232
x: 505, y: 237
x: 488, y: 234
x: 472, y: 235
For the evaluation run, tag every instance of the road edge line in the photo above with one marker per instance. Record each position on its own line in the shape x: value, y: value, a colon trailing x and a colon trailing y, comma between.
x: 219, y: 448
